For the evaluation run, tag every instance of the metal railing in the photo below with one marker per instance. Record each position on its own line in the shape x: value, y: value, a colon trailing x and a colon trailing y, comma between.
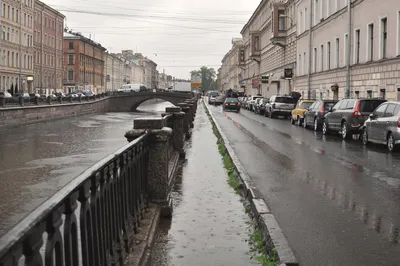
x: 90, y: 221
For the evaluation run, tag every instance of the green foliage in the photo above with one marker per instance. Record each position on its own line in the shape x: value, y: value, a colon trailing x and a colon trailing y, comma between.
x: 207, y: 77
x: 257, y: 243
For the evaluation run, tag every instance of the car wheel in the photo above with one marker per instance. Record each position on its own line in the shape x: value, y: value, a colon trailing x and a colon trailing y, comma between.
x: 345, y: 132
x: 365, y: 136
x: 390, y: 142
x: 304, y: 122
x: 325, y: 127
x: 298, y: 121
x: 292, y: 120
x: 316, y: 124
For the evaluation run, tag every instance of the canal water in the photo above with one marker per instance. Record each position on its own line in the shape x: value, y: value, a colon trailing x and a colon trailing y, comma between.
x: 37, y: 160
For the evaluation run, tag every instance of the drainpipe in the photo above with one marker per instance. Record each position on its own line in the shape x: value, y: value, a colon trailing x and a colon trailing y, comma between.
x: 310, y: 50
x: 348, y: 52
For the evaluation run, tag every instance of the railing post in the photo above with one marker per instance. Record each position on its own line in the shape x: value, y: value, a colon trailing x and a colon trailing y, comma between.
x: 2, y: 101
x: 36, y: 100
x: 178, y: 137
x: 158, y: 172
x: 21, y: 101
x: 80, y: 98
x: 186, y: 120
x: 60, y: 99
x: 49, y: 99
x: 191, y: 112
x: 70, y: 99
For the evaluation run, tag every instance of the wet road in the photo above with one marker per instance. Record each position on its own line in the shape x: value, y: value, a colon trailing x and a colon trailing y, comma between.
x: 209, y: 226
x: 337, y: 202
x: 39, y: 159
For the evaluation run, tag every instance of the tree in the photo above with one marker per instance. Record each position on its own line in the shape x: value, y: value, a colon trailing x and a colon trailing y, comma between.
x: 207, y: 77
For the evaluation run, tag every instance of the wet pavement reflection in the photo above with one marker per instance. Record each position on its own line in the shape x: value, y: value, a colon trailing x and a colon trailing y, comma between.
x: 37, y: 160
x: 209, y: 225
x: 336, y: 201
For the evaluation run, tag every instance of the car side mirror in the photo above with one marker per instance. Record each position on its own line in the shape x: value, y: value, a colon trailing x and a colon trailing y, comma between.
x: 330, y: 109
x: 372, y: 116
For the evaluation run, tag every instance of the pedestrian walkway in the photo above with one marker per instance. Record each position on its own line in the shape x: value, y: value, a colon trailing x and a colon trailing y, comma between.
x: 209, y: 225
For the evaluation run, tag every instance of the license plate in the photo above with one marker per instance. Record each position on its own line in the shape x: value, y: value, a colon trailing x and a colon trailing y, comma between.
x: 232, y: 104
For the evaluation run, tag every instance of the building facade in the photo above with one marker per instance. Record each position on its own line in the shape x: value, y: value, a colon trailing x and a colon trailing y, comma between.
x: 137, y: 72
x: 348, y: 49
x: 114, y: 72
x: 230, y: 69
x: 16, y: 45
x: 150, y: 78
x: 269, y: 47
x: 84, y: 62
x: 48, y: 49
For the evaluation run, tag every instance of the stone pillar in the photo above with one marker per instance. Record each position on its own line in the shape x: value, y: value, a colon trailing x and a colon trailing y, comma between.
x: 186, y: 120
x: 178, y: 136
x: 49, y: 99
x: 158, y: 172
x: 70, y: 99
x: 2, y: 101
x: 191, y: 113
x: 80, y: 98
x: 36, y: 100
x: 60, y: 99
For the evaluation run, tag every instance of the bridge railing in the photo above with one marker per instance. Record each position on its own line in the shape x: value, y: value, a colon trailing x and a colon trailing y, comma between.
x: 91, y: 221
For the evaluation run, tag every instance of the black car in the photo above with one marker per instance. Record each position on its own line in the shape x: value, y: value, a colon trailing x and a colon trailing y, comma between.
x: 348, y: 116
x: 231, y: 104
x: 315, y: 114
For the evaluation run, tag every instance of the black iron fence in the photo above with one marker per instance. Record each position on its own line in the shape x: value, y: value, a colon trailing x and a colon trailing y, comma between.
x: 91, y: 221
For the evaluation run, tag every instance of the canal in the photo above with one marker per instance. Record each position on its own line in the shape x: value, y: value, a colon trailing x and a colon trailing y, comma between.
x: 37, y: 160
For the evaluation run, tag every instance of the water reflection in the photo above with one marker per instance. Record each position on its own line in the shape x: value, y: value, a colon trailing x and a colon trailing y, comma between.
x: 37, y: 160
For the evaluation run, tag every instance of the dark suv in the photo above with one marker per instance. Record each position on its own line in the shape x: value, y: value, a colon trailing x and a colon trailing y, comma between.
x: 349, y: 115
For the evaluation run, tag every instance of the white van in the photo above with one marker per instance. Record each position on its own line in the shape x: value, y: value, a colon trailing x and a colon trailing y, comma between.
x: 130, y: 88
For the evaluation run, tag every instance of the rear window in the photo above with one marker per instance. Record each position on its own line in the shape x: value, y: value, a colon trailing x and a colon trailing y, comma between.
x: 370, y: 105
x: 284, y: 100
x: 329, y: 105
x: 231, y: 100
x: 214, y: 94
x: 307, y: 104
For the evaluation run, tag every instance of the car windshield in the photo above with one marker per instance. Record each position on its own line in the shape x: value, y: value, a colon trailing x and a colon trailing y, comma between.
x: 231, y: 100
x: 328, y: 105
x: 370, y: 105
x: 214, y: 94
x: 284, y: 100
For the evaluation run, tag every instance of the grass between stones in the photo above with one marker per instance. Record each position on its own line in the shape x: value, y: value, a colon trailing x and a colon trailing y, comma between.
x: 256, y: 238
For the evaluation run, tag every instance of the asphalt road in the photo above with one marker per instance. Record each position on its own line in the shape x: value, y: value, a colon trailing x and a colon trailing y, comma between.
x: 37, y: 160
x: 337, y: 202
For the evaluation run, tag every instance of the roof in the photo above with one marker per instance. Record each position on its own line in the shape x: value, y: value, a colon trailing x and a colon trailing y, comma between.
x: 77, y: 36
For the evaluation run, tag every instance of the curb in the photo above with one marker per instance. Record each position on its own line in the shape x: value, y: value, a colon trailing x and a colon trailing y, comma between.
x: 273, y: 234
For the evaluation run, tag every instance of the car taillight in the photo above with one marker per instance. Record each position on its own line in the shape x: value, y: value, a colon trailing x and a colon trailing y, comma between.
x: 357, y: 113
x: 226, y: 104
x: 238, y: 104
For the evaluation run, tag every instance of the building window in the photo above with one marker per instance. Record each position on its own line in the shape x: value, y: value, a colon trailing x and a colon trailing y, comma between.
x: 71, y: 74
x: 322, y: 57
x: 357, y: 94
x: 301, y: 27
x: 357, y: 46
x: 315, y: 60
x: 337, y: 5
x: 384, y: 38
x: 281, y: 20
x: 337, y: 55
x: 300, y: 64
x: 383, y: 93
x: 316, y: 12
x: 305, y: 19
x: 305, y: 70
x: 71, y: 45
x: 70, y: 59
x: 328, y: 55
x: 369, y: 94
x: 398, y: 33
x: 370, y: 42
x: 346, y: 48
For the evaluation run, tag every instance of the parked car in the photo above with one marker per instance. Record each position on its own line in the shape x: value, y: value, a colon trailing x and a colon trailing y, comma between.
x: 5, y: 94
x: 24, y: 95
x: 315, y: 114
x: 298, y: 112
x: 251, y: 101
x: 220, y: 99
x: 33, y: 95
x: 256, y: 104
x: 383, y: 126
x: 231, y: 104
x: 261, y: 106
x: 280, y: 106
x: 349, y: 115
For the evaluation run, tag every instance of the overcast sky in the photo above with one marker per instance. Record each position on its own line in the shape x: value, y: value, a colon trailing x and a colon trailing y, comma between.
x: 179, y: 35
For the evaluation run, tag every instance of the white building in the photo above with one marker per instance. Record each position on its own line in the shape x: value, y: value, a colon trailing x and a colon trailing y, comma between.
x: 230, y: 69
x: 114, y: 72
x: 269, y: 47
x: 348, y: 54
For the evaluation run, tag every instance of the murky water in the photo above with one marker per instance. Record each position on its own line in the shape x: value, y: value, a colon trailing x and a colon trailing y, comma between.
x: 37, y: 160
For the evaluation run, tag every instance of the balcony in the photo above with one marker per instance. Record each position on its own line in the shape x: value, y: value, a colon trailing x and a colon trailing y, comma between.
x: 278, y: 36
x: 255, y: 51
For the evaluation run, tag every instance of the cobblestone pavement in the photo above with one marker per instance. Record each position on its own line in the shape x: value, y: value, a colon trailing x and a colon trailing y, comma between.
x: 209, y: 224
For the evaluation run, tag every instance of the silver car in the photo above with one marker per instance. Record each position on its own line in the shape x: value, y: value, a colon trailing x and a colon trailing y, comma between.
x: 383, y: 125
x: 280, y: 106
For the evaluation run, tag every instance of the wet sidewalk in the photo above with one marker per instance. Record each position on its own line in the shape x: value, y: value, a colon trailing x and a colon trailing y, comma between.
x: 209, y: 224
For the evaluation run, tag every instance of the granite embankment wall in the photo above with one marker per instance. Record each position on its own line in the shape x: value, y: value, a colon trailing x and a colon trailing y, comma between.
x: 18, y: 116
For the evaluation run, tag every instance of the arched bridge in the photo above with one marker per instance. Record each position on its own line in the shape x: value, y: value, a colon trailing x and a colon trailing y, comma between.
x: 128, y: 102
